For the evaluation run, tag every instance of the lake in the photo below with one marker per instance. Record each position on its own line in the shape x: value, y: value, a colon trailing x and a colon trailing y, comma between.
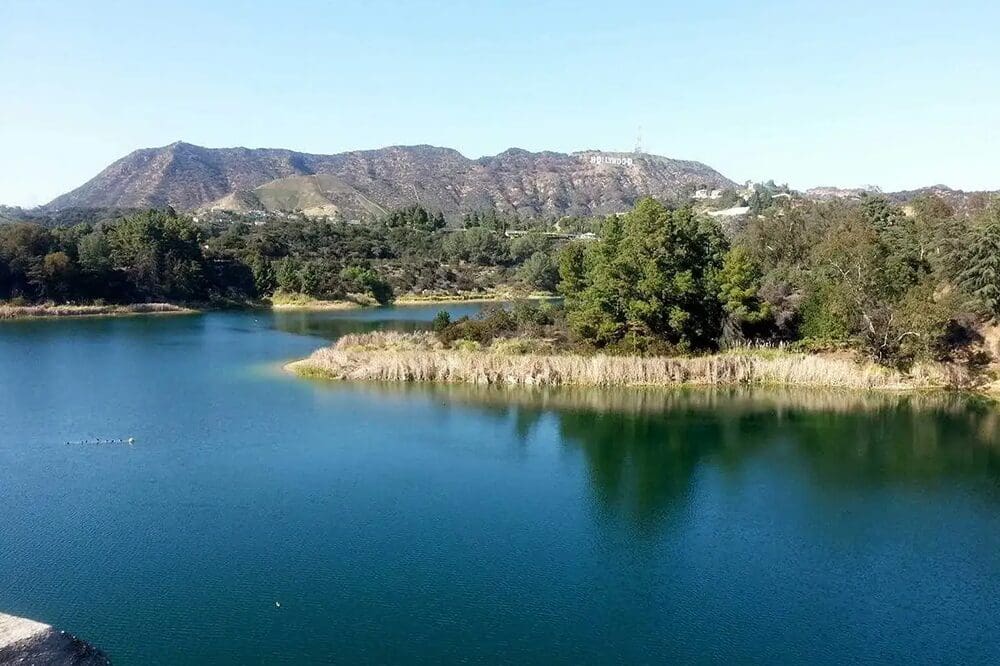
x: 262, y: 518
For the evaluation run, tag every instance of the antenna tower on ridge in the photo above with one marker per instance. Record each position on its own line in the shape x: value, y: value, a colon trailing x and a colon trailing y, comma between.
x: 638, y: 141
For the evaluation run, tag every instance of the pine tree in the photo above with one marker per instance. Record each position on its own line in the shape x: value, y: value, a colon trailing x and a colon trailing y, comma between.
x: 979, y: 274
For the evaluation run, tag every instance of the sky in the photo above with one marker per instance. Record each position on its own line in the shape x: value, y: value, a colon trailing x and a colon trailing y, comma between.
x: 895, y: 94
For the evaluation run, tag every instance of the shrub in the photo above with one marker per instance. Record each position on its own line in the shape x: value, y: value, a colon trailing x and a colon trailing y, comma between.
x: 539, y: 272
x: 441, y: 321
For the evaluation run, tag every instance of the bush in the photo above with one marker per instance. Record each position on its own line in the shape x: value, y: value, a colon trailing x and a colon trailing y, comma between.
x: 539, y: 272
x: 441, y: 321
x: 935, y: 326
x: 826, y: 314
x: 365, y: 280
x: 523, y: 247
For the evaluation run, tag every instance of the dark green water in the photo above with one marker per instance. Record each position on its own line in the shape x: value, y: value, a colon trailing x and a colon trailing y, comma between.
x: 446, y: 524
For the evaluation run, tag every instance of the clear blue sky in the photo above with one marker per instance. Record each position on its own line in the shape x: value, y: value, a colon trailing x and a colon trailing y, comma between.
x: 898, y: 94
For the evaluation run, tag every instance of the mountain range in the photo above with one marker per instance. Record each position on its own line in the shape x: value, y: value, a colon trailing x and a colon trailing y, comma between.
x: 362, y: 183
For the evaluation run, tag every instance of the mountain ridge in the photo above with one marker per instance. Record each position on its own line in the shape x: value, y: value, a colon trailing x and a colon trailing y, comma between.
x: 190, y: 177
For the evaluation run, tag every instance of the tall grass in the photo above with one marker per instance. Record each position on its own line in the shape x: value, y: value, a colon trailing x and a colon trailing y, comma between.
x: 286, y: 300
x: 419, y: 357
x: 53, y: 310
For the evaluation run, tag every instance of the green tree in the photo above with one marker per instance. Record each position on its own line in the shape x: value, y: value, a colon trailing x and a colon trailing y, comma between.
x: 264, y: 278
x: 415, y: 217
x: 22, y: 247
x: 364, y: 280
x: 476, y: 245
x: 57, y: 276
x: 978, y: 270
x: 94, y: 254
x: 441, y: 321
x: 161, y: 254
x: 934, y: 225
x: 651, y: 279
x: 286, y: 275
x: 572, y: 262
x: 880, y: 212
x: 523, y: 247
x: 861, y: 271
x: 935, y: 324
x: 539, y: 272
x: 739, y: 291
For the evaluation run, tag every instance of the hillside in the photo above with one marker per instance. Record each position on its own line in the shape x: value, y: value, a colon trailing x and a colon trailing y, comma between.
x: 960, y: 201
x: 320, y: 194
x: 10, y: 214
x: 357, y: 183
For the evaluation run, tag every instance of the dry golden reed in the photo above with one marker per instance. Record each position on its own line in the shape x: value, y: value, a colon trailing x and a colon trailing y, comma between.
x: 53, y: 310
x: 419, y: 357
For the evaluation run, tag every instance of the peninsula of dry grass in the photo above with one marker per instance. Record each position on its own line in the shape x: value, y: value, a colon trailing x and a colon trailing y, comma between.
x: 421, y: 357
x: 53, y: 310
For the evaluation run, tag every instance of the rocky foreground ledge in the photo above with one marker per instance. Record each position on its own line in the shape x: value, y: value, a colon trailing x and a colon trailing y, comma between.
x: 24, y: 641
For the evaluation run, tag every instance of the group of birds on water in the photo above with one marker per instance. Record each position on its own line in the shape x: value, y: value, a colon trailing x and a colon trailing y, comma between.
x: 130, y: 441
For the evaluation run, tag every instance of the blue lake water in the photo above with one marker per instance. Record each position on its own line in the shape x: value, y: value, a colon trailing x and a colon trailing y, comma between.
x: 410, y: 524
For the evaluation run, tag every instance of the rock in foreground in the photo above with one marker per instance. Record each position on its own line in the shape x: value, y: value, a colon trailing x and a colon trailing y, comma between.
x: 24, y: 641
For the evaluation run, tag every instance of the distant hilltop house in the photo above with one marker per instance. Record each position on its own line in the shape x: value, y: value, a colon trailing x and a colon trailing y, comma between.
x: 707, y: 194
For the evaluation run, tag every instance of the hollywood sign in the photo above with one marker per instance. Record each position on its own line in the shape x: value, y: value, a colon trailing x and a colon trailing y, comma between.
x: 607, y: 159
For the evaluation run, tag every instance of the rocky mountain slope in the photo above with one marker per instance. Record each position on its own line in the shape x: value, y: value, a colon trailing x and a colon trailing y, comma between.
x: 358, y: 183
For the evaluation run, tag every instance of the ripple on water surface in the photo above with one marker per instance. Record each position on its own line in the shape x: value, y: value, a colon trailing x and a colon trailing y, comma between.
x: 449, y: 523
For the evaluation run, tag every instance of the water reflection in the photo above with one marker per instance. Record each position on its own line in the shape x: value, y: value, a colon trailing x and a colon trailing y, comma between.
x: 643, y: 448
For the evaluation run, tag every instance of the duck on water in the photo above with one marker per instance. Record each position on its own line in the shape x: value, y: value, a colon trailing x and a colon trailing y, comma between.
x: 130, y: 441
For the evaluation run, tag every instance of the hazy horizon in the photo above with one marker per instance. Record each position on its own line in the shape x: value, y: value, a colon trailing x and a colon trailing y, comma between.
x: 902, y: 95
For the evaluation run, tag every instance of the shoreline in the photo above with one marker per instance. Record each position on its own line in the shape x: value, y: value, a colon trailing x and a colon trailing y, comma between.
x: 54, y: 311
x: 287, y: 301
x: 658, y: 399
x: 317, y: 306
x: 308, y: 368
x: 419, y: 358
x: 59, y: 311
x: 419, y: 299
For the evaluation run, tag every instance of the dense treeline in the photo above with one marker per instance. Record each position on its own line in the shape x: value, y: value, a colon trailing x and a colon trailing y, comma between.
x: 897, y: 285
x: 162, y: 256
x: 146, y: 257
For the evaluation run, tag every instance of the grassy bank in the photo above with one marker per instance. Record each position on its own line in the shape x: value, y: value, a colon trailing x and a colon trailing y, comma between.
x: 420, y: 357
x: 470, y: 297
x: 286, y: 301
x: 56, y: 310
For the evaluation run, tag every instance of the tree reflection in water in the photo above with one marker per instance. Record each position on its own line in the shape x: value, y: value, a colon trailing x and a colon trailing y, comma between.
x: 643, y: 447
